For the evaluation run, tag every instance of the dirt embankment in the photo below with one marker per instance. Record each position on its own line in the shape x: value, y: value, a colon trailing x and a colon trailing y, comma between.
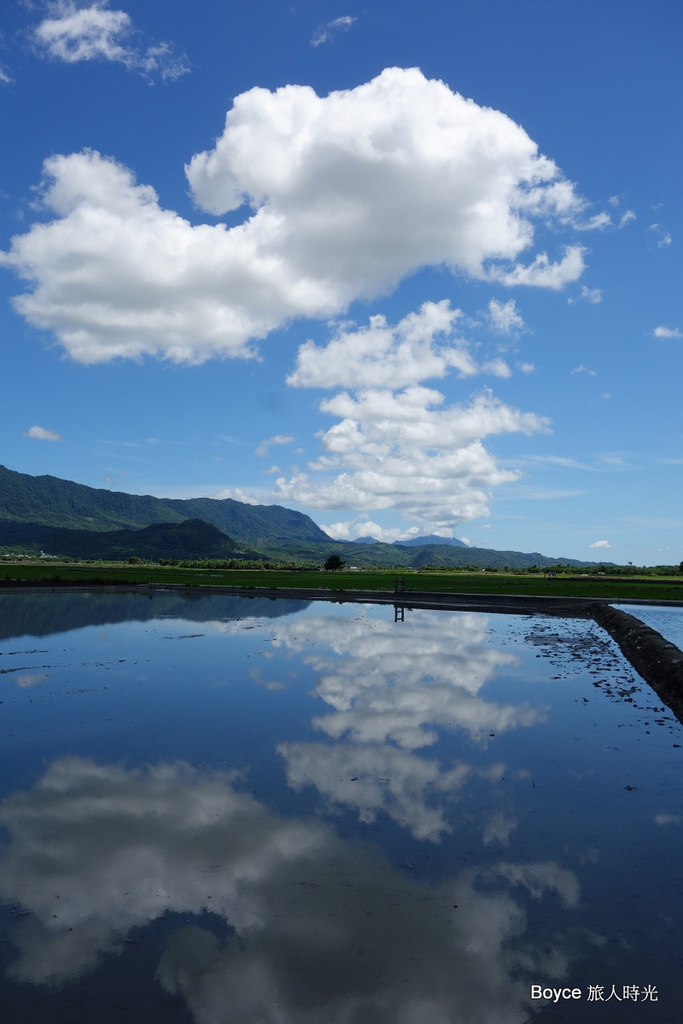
x: 658, y: 661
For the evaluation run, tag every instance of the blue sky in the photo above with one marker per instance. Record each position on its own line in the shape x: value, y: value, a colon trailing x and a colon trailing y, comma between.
x: 407, y: 268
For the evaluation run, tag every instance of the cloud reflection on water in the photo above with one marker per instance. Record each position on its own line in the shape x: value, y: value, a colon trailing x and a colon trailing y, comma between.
x: 399, y: 686
x: 377, y: 778
x: 323, y: 930
x: 391, y: 691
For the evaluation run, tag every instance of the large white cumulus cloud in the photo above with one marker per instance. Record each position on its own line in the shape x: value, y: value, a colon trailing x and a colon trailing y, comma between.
x: 116, y: 275
x: 395, y: 444
x: 399, y: 450
x: 369, y: 183
x: 342, y: 197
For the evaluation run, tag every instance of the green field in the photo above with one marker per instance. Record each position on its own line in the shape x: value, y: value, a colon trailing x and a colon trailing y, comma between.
x: 460, y: 582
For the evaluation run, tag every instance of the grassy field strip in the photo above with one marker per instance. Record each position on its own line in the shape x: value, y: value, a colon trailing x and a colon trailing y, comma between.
x: 498, y: 583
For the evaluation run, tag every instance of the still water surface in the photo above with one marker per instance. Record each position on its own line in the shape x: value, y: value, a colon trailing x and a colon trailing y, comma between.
x: 666, y: 619
x: 218, y: 810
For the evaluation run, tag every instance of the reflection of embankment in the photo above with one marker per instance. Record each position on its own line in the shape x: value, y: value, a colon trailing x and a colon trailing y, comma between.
x: 37, y: 613
x: 504, y: 604
x: 315, y: 929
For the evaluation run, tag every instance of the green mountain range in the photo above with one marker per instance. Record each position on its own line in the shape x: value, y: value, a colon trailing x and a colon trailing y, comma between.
x: 190, y: 540
x: 58, y: 517
x: 49, y: 501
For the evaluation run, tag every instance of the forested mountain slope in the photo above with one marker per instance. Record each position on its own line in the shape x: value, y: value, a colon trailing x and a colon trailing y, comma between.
x: 50, y: 501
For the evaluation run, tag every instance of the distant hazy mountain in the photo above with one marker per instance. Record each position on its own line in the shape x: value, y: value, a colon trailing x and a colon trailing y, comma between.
x: 432, y: 538
x: 415, y: 542
x: 50, y: 501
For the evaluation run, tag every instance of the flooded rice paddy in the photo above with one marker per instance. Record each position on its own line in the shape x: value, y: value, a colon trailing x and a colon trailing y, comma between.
x: 667, y: 620
x: 220, y: 810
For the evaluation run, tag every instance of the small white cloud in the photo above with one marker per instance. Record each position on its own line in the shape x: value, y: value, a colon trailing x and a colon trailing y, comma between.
x: 606, y: 394
x: 668, y: 332
x: 600, y: 544
x: 324, y: 34
x: 74, y: 33
x: 264, y: 446
x: 386, y: 535
x: 616, y: 461
x: 497, y: 367
x: 558, y: 460
x: 339, y: 531
x: 626, y: 217
x: 526, y: 367
x: 664, y: 240
x: 541, y: 273
x: 592, y: 295
x: 135, y: 444
x: 548, y: 493
x: 238, y: 494
x: 351, y: 529
x: 583, y: 369
x: 5, y: 76
x: 504, y: 318
x: 41, y: 434
x: 596, y: 223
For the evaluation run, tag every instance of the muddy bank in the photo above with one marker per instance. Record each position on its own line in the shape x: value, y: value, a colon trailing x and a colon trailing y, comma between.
x: 659, y: 662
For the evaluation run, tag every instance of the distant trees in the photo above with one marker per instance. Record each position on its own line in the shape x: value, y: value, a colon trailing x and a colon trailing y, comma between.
x: 333, y: 563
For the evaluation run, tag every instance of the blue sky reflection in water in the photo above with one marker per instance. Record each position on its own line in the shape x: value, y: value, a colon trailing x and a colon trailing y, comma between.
x: 220, y: 810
